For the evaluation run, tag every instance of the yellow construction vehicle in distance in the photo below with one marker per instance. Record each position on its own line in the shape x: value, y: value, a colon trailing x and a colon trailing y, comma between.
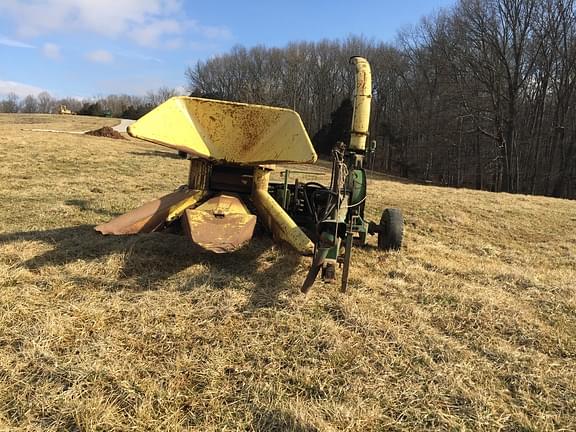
x: 64, y: 110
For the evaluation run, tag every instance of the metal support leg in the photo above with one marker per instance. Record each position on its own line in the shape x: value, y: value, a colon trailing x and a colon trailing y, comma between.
x: 346, y: 263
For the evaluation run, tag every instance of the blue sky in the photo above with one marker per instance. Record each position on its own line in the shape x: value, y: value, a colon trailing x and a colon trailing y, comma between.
x: 86, y: 48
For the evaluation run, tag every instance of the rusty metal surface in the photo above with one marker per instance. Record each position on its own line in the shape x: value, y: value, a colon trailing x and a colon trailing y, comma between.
x: 221, y: 224
x: 227, y: 132
x: 146, y: 218
x: 199, y: 174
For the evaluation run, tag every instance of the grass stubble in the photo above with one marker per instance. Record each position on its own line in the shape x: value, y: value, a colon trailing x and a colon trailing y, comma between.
x: 471, y: 326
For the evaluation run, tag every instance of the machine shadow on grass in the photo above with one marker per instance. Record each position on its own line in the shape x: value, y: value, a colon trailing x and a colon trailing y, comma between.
x: 156, y: 153
x: 150, y: 259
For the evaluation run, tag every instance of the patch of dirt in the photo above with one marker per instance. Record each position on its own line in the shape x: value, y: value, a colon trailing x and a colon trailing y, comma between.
x: 107, y: 132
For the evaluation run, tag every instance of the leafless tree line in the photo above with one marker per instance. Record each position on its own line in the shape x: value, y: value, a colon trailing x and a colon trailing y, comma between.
x: 121, y: 106
x: 480, y: 95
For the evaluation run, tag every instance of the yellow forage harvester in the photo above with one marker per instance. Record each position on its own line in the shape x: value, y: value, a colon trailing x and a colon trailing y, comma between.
x: 233, y: 147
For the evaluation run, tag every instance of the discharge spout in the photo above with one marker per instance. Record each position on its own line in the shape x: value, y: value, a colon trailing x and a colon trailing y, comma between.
x: 362, y: 100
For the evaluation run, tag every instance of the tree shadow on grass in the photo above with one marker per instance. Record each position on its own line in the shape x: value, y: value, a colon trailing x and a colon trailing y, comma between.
x: 148, y: 260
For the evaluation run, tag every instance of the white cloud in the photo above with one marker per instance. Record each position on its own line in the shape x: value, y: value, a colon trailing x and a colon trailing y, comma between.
x: 14, y: 43
x: 100, y: 56
x: 52, y: 51
x: 152, y: 33
x: 21, y: 89
x: 151, y: 23
x: 210, y: 32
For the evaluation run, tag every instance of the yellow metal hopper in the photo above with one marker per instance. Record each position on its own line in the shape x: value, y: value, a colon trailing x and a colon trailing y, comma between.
x: 227, y: 132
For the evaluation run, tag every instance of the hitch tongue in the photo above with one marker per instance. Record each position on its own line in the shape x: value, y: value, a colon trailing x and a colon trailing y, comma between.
x: 325, y: 243
x: 317, y: 263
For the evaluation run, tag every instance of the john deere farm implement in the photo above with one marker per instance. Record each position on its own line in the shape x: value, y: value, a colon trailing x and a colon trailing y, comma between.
x: 233, y: 148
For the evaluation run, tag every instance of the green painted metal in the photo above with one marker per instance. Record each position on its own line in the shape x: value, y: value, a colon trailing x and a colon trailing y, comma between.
x: 357, y: 186
x: 334, y: 251
x: 285, y: 195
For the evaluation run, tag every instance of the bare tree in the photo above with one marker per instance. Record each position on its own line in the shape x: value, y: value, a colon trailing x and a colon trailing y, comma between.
x: 10, y: 103
x: 160, y: 95
x: 44, y: 102
x: 29, y: 105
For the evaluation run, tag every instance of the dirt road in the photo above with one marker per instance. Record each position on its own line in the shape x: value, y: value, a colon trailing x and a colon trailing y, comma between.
x: 124, y: 123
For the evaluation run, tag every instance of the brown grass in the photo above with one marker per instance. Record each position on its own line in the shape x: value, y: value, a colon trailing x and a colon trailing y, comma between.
x: 471, y: 326
x: 14, y: 122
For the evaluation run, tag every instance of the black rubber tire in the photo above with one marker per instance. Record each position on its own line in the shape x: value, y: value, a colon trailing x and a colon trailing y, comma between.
x: 391, y: 229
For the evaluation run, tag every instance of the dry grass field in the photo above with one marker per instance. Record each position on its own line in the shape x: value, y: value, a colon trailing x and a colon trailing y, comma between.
x: 471, y: 326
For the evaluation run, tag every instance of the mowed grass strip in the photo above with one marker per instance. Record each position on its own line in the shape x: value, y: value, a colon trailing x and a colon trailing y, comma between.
x: 472, y: 325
